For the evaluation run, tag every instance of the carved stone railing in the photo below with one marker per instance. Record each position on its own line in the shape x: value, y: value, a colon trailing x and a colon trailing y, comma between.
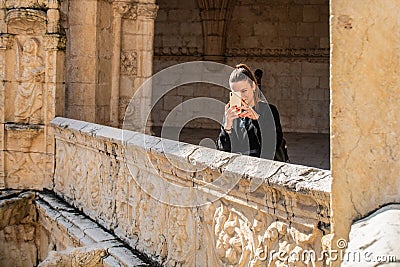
x: 124, y: 180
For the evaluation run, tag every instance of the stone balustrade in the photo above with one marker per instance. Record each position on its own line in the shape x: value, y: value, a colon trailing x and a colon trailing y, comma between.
x: 185, y: 205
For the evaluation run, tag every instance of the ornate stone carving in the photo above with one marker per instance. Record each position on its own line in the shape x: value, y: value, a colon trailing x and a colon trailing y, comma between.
x: 6, y: 41
x: 128, y: 63
x: 240, y: 242
x: 180, y: 250
x: 26, y: 4
x: 229, y: 232
x: 24, y: 164
x: 83, y: 256
x: 26, y: 21
x: 125, y: 9
x: 30, y: 74
x: 148, y: 11
x: 231, y: 229
x: 54, y: 42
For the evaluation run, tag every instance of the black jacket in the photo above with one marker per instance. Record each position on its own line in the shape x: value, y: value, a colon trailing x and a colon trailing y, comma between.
x: 258, y: 138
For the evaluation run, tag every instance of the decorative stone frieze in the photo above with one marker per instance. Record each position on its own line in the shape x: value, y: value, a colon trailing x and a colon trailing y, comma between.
x: 261, y: 52
x: 177, y: 51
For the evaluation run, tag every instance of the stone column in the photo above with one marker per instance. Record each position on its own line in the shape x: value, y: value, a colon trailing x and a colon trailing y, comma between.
x: 147, y: 13
x: 31, y: 92
x: 5, y: 43
x: 215, y: 16
x: 119, y: 9
x: 365, y: 109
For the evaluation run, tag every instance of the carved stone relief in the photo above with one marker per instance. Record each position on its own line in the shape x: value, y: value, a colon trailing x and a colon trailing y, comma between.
x: 75, y: 257
x: 54, y: 42
x: 21, y: 165
x: 128, y: 63
x: 148, y: 11
x: 181, y: 247
x: 125, y: 9
x: 26, y: 4
x: 262, y: 242
x: 26, y: 22
x: 29, y: 72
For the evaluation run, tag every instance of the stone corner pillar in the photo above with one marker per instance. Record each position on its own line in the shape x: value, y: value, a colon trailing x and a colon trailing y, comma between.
x: 132, y: 63
x: 32, y: 70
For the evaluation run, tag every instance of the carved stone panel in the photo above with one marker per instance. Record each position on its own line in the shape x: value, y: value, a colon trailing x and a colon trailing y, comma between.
x: 128, y: 63
x: 29, y: 73
x: 30, y: 66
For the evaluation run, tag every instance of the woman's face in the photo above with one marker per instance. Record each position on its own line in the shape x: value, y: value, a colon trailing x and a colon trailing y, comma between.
x: 246, y: 90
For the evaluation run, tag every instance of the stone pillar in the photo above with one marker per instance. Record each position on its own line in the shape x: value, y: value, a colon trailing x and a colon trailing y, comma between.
x: 5, y: 44
x: 147, y: 13
x: 136, y: 64
x: 365, y: 109
x: 215, y: 16
x: 119, y: 9
x: 31, y: 92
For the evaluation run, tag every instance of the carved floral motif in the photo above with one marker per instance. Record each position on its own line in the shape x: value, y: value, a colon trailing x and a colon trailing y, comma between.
x: 125, y: 9
x: 128, y: 63
x: 265, y: 242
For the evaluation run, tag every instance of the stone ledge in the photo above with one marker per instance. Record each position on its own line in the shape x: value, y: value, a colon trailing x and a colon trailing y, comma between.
x: 289, y: 176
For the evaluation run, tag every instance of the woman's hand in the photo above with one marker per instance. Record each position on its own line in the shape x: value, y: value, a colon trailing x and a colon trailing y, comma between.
x: 231, y: 113
x: 248, y: 112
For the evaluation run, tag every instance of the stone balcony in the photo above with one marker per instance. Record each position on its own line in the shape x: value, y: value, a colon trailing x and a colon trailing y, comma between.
x: 186, y: 205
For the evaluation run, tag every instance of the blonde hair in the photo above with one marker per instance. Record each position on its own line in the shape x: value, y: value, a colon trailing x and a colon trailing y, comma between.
x: 242, y: 72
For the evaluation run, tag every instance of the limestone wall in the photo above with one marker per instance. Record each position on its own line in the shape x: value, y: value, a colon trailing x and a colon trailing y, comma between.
x: 365, y: 109
x: 187, y: 205
x: 288, y: 40
x: 17, y: 230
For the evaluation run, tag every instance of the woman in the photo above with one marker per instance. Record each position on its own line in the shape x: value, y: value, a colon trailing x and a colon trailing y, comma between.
x: 253, y: 129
